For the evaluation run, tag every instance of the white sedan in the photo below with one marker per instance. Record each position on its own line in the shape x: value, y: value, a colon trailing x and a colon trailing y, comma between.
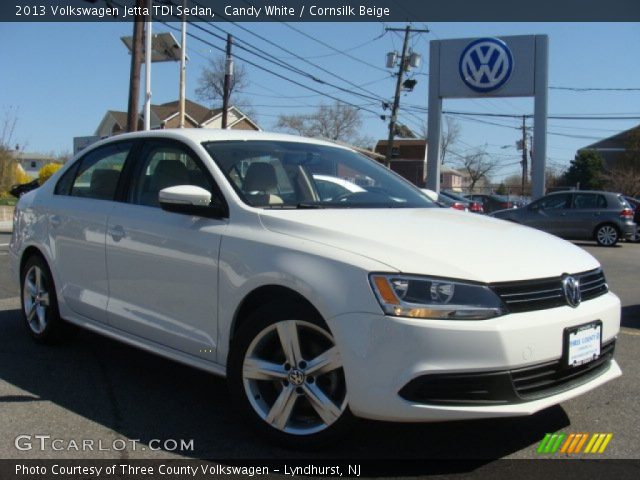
x: 216, y: 249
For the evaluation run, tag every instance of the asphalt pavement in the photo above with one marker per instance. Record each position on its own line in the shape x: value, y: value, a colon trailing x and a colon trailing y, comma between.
x: 93, y: 388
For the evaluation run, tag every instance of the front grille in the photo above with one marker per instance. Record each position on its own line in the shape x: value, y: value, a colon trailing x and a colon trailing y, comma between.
x: 539, y: 381
x: 530, y: 295
x: 505, y: 386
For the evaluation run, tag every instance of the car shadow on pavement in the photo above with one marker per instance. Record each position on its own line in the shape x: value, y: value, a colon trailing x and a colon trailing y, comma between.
x: 631, y: 316
x: 143, y: 396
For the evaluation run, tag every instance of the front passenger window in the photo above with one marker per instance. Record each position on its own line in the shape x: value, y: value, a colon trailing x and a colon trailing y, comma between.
x: 163, y: 167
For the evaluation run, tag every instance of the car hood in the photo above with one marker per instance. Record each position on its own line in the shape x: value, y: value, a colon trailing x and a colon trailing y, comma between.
x: 436, y: 241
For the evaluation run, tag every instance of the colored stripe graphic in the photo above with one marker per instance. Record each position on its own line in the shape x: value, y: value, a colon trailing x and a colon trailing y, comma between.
x: 573, y: 443
x: 551, y: 442
x: 598, y: 443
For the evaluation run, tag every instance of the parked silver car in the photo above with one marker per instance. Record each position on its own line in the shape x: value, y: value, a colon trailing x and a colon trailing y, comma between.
x: 579, y: 215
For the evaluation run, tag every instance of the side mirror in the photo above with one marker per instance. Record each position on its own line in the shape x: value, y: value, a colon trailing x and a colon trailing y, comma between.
x: 190, y: 200
x: 533, y: 207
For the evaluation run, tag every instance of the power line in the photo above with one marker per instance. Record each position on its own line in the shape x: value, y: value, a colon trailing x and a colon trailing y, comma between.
x: 270, y: 42
x: 265, y: 69
x: 597, y: 89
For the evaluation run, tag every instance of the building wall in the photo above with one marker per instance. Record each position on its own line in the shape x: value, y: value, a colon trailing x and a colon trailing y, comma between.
x: 412, y: 170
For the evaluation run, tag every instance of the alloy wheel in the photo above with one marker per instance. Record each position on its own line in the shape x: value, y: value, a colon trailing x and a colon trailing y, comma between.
x: 293, y: 377
x: 607, y: 235
x: 35, y: 299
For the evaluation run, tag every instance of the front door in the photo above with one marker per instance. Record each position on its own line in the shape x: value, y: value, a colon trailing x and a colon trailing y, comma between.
x: 163, y: 266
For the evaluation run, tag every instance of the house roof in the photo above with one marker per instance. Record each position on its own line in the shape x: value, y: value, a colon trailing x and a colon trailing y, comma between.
x: 199, y: 113
x: 617, y: 141
x: 404, y: 141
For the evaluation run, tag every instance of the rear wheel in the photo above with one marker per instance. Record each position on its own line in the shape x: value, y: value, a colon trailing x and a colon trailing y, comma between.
x: 39, y: 302
x: 607, y: 235
x: 287, y: 378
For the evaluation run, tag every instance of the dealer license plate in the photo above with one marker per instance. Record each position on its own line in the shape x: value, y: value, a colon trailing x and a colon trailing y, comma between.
x: 583, y: 344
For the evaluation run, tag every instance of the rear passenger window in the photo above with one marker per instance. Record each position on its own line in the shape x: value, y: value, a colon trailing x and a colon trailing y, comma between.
x: 99, y: 171
x: 589, y: 200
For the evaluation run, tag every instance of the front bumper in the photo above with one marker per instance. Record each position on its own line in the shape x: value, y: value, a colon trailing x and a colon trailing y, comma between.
x: 382, y: 355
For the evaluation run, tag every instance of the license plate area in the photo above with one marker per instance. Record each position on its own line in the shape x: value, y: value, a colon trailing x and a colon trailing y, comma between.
x: 582, y: 344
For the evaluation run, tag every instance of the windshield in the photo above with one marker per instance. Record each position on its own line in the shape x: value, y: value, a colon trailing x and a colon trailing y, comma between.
x: 273, y: 174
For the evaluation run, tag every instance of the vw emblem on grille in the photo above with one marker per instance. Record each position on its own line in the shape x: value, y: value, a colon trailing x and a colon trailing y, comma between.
x: 571, y: 289
x: 296, y: 377
x: 486, y: 64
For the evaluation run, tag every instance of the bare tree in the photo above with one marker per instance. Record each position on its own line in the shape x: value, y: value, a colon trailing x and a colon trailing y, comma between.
x: 334, y: 122
x: 450, y: 136
x: 478, y: 166
x: 211, y: 81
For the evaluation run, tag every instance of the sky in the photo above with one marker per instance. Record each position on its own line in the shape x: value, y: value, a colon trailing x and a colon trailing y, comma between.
x: 59, y: 79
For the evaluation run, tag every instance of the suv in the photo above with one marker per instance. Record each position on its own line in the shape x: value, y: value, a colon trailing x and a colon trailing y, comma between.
x: 578, y: 215
x: 220, y: 250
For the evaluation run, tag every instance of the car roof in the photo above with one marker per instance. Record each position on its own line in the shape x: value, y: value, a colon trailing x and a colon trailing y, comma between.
x: 200, y: 135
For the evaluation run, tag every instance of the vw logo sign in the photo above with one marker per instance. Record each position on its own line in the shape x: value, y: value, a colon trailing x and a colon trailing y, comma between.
x: 486, y: 64
x: 571, y: 290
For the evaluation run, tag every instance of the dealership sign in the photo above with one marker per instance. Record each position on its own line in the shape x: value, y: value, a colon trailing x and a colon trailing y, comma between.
x: 486, y: 67
x: 486, y: 64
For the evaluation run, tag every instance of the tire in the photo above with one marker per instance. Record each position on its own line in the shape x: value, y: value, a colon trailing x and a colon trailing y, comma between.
x: 607, y: 235
x: 39, y: 302
x: 301, y: 405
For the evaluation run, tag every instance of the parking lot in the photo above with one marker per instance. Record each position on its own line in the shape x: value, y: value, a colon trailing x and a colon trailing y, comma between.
x: 98, y: 389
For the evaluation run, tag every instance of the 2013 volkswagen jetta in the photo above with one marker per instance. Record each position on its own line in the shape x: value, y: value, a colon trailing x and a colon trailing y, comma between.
x: 216, y: 249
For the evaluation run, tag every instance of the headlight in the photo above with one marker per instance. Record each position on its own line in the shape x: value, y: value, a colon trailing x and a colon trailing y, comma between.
x: 424, y: 297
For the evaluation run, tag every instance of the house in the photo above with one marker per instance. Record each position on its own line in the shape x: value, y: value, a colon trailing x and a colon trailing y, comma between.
x: 615, y: 148
x: 166, y: 115
x: 32, y: 162
x: 408, y: 158
x: 451, y: 179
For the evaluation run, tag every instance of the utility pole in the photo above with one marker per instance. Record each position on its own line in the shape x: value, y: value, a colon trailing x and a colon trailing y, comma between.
x: 402, y: 67
x: 183, y: 63
x: 134, y: 74
x: 524, y: 154
x: 227, y: 81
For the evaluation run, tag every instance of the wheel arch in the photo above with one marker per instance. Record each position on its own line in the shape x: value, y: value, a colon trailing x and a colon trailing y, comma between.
x: 269, y: 294
x: 30, y: 251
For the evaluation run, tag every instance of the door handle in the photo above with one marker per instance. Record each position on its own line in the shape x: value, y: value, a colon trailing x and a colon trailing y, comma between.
x: 55, y: 221
x: 117, y: 232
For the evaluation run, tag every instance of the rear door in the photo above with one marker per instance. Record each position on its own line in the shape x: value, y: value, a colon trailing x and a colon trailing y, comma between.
x: 163, y: 266
x: 83, y: 199
x: 588, y: 211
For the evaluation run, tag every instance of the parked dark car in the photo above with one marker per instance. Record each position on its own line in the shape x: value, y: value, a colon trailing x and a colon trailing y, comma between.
x: 470, y: 205
x: 19, y: 190
x: 579, y: 215
x: 634, y: 203
x: 491, y: 203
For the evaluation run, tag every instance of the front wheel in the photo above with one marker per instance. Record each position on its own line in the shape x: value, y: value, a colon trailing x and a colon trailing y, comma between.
x: 607, y: 235
x: 286, y: 376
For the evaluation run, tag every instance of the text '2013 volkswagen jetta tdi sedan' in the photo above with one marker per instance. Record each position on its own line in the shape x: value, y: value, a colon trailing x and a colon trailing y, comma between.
x: 217, y: 249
